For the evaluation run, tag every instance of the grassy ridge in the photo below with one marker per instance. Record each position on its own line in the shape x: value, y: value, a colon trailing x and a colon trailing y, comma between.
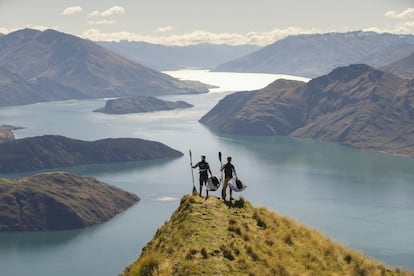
x: 210, y: 237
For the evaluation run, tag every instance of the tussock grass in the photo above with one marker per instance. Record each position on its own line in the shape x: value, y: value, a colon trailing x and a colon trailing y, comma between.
x: 210, y: 237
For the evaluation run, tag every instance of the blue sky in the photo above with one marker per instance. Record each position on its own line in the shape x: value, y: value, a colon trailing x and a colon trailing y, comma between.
x: 182, y: 22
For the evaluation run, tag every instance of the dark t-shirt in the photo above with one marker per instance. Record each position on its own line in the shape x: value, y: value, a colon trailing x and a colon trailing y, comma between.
x: 228, y: 170
x: 203, y: 167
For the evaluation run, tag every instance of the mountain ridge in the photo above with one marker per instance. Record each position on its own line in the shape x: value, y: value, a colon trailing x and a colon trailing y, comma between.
x: 89, y: 70
x: 355, y: 105
x: 312, y: 55
x: 210, y: 237
x: 165, y: 57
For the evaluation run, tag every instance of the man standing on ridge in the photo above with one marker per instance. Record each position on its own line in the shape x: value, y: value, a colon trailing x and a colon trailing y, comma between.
x: 228, y: 174
x: 204, y: 169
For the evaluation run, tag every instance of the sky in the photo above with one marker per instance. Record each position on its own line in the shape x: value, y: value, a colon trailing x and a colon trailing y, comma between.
x: 185, y: 22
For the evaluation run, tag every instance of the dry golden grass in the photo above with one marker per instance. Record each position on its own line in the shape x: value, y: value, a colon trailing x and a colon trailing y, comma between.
x: 210, y: 237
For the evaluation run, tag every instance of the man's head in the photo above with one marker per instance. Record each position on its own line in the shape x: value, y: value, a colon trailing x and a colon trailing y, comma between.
x: 229, y: 159
x: 203, y: 157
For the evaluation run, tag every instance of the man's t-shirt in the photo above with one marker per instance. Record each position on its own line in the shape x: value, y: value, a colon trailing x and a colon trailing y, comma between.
x: 203, y: 167
x: 228, y: 170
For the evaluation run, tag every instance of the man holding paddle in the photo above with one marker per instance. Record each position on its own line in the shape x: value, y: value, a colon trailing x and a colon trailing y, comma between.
x: 204, y: 169
x: 228, y: 174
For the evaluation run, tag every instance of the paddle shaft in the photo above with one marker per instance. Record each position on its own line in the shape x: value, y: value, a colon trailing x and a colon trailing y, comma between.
x: 192, y: 173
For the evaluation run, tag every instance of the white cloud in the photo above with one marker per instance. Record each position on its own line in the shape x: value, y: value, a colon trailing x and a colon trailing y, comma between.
x: 406, y: 14
x: 165, y: 29
x: 200, y: 36
x: 101, y: 22
x: 72, y: 10
x: 94, y: 13
x: 112, y: 11
x: 401, y: 28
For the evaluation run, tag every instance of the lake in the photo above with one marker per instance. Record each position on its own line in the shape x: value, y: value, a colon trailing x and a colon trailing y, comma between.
x: 360, y: 198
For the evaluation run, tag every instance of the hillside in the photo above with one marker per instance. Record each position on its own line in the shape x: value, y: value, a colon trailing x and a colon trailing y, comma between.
x: 317, y: 54
x: 165, y: 57
x: 15, y: 90
x: 140, y: 104
x: 357, y: 105
x: 52, y: 151
x: 403, y: 67
x: 58, y: 201
x: 67, y: 66
x: 209, y: 237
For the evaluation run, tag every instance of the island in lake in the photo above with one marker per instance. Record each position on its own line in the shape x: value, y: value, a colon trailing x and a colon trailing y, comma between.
x: 58, y: 201
x: 53, y: 151
x: 140, y: 104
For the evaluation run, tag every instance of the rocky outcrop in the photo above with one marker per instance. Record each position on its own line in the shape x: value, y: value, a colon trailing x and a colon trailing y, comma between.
x: 355, y: 105
x: 58, y: 201
x: 140, y: 104
x: 52, y: 151
x: 6, y: 133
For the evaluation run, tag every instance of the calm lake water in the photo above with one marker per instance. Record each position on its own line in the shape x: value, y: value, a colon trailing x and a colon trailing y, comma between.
x: 362, y: 199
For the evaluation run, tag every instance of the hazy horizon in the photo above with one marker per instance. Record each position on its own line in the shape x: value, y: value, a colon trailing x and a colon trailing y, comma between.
x: 219, y: 22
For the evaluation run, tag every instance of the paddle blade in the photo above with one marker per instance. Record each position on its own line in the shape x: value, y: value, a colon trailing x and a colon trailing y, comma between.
x: 219, y: 155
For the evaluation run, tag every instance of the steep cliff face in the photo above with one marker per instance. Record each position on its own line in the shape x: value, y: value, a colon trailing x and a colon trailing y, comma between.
x: 58, y: 201
x: 209, y: 237
x: 355, y: 105
x: 52, y: 151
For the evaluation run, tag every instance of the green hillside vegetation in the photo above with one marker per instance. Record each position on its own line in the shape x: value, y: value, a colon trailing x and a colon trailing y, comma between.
x: 210, y: 237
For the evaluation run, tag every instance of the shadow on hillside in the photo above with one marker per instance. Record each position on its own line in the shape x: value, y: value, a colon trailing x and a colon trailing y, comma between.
x: 235, y: 203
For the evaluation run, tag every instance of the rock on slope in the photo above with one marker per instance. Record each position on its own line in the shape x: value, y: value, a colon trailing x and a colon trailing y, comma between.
x: 355, y: 105
x: 52, y: 151
x: 6, y: 133
x: 209, y: 237
x: 58, y: 201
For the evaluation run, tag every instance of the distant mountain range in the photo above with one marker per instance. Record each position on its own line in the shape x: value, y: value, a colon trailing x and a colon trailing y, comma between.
x: 164, y: 57
x: 355, y: 105
x: 6, y: 133
x: 317, y: 54
x: 42, y: 66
